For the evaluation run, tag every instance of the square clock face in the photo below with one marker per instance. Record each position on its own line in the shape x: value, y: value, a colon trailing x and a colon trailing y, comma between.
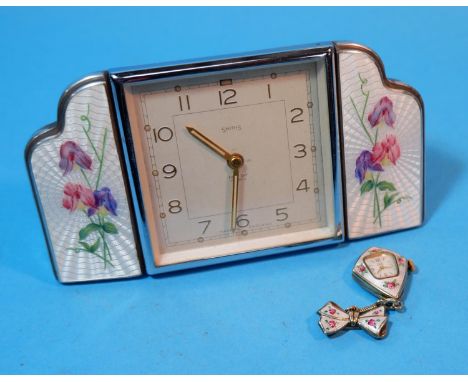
x: 235, y: 161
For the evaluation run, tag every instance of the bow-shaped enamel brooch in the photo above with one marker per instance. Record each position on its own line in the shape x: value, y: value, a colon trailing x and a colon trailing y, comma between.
x: 333, y: 319
x: 384, y: 274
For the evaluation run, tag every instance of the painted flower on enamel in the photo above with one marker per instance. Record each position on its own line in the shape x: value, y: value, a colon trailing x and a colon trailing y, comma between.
x: 331, y: 323
x: 77, y: 196
x: 379, y: 153
x: 332, y: 311
x: 386, y: 151
x: 97, y: 204
x: 70, y: 154
x: 361, y: 268
x: 371, y: 322
x: 104, y: 203
x: 364, y: 163
x: 390, y: 284
x: 382, y: 110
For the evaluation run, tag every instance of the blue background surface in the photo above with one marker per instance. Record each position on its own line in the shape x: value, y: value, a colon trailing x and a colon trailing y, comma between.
x: 252, y: 317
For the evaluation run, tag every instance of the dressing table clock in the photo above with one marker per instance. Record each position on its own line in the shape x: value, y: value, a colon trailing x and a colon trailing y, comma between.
x: 166, y: 167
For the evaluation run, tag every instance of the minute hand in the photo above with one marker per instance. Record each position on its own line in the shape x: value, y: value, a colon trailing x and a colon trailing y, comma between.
x: 208, y: 142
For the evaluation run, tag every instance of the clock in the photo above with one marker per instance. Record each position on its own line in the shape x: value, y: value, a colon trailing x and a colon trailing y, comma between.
x: 233, y: 162
x: 165, y: 167
x: 383, y: 272
x: 382, y: 264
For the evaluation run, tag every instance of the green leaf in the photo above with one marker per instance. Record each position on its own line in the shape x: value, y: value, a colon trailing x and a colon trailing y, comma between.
x: 85, y: 245
x: 385, y: 186
x: 388, y: 200
x: 93, y: 248
x: 367, y: 186
x: 89, y: 229
x: 109, y: 228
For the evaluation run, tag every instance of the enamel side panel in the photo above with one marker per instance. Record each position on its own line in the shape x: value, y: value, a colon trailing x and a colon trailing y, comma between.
x: 78, y: 180
x: 382, y: 132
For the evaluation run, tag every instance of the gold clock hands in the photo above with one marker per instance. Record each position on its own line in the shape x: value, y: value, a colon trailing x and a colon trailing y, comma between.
x: 208, y: 142
x: 235, y: 197
x: 234, y: 161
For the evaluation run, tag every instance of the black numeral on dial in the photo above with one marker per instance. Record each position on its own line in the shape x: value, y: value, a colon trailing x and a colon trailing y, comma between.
x: 281, y: 214
x: 170, y: 170
x: 174, y: 206
x: 297, y: 113
x: 301, y: 150
x: 163, y: 134
x: 206, y: 223
x: 226, y: 97
x: 302, y: 186
x: 184, y: 102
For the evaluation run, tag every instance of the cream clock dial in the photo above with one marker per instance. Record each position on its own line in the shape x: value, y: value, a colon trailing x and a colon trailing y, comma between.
x: 234, y: 162
x: 382, y: 265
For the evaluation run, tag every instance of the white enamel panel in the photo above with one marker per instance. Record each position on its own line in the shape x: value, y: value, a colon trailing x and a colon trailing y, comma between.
x: 66, y: 169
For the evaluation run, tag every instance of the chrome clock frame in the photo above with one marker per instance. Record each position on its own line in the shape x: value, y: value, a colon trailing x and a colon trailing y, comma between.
x: 304, y: 54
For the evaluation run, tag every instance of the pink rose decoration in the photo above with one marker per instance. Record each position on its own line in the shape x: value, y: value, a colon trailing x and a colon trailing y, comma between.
x: 77, y: 196
x: 383, y: 109
x: 371, y: 322
x: 332, y: 311
x: 332, y: 323
x: 385, y: 151
x: 361, y: 268
x: 390, y: 285
x: 70, y: 154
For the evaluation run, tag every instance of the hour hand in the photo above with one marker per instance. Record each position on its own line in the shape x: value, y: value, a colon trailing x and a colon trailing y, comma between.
x: 234, y: 161
x: 208, y: 142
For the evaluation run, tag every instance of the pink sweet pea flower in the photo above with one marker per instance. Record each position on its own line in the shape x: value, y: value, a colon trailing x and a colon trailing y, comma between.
x: 383, y: 109
x: 385, y: 151
x: 77, y: 196
x: 71, y: 154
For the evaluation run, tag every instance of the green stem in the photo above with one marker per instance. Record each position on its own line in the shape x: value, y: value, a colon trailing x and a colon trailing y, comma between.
x: 376, y: 135
x: 86, y: 178
x: 90, y: 141
x: 361, y: 121
x: 101, y: 161
x: 105, y: 247
x: 376, y: 200
x: 86, y: 131
x: 95, y: 254
x: 365, y: 106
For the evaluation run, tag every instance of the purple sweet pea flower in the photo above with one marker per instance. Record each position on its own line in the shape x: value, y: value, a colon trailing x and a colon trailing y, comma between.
x: 71, y: 153
x: 364, y: 163
x: 383, y: 109
x: 104, y: 198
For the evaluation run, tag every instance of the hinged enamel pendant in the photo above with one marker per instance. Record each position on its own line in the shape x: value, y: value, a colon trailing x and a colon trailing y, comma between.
x: 384, y: 274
